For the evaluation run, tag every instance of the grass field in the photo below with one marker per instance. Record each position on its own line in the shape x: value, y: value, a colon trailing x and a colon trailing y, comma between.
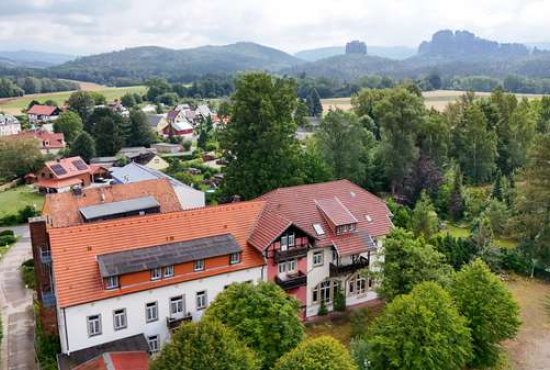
x: 11, y: 201
x: 16, y: 105
x: 464, y: 232
x: 433, y: 99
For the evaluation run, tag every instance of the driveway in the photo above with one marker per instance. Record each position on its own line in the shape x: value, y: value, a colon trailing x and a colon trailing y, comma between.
x: 17, y: 350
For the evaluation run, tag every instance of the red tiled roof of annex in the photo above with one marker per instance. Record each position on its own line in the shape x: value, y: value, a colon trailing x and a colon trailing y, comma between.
x: 70, y: 167
x: 75, y: 249
x: 63, y: 209
x: 343, y: 200
x: 133, y: 360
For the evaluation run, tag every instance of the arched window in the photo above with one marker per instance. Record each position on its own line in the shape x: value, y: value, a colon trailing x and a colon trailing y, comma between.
x: 325, y: 291
x: 358, y: 285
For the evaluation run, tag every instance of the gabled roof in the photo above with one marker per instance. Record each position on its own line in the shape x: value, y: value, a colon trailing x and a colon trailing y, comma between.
x: 62, y: 209
x: 81, y: 282
x: 42, y: 110
x: 46, y: 139
x: 270, y: 226
x: 181, y: 125
x: 172, y: 115
x: 67, y: 167
x: 335, y: 211
x: 300, y: 205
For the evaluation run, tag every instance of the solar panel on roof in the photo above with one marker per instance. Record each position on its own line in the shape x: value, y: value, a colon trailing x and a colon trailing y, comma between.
x: 58, y: 170
x: 80, y: 165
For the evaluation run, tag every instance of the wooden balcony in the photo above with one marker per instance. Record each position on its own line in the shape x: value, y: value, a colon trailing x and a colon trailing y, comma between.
x: 291, y: 253
x: 291, y: 281
x: 174, y: 322
x: 343, y: 269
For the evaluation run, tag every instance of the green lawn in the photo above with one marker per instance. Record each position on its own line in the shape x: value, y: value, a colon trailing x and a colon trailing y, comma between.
x: 464, y: 232
x: 16, y: 105
x: 11, y: 201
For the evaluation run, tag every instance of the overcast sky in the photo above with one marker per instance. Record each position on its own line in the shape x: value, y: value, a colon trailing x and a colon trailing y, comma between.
x: 92, y: 26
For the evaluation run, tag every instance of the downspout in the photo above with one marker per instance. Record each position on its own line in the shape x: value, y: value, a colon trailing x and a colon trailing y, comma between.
x: 66, y: 332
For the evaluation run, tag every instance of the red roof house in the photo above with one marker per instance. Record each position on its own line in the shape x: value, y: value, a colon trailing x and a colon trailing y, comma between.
x: 48, y: 142
x: 60, y: 175
x: 43, y: 113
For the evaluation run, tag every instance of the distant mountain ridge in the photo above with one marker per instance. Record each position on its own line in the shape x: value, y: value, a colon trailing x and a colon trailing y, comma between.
x: 34, y: 59
x: 183, y: 64
x: 392, y: 52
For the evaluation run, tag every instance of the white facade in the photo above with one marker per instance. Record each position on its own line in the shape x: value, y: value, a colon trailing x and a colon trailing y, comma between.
x: 317, y: 273
x: 73, y: 324
x: 9, y: 125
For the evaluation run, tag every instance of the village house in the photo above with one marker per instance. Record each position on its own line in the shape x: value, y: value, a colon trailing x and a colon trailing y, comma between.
x: 61, y: 175
x: 177, y: 125
x: 43, y: 113
x: 145, y: 156
x: 9, y: 125
x: 139, y: 265
x: 157, y: 122
x: 48, y: 143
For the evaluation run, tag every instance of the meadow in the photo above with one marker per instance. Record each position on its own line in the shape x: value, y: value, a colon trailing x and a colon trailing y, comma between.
x: 17, y: 105
x: 438, y: 99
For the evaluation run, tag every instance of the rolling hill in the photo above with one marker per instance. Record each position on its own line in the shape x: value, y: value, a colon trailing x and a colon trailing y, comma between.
x: 33, y: 59
x: 181, y: 65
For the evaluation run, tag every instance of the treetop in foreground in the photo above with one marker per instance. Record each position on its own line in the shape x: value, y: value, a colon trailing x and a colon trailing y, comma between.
x: 322, y: 353
x: 206, y: 345
x: 422, y: 330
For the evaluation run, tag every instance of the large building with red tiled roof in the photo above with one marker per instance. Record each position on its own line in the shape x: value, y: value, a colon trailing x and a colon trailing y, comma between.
x: 48, y: 143
x: 43, y: 113
x: 124, y: 264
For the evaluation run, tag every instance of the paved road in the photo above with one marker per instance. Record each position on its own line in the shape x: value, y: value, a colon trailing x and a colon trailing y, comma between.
x: 17, y: 351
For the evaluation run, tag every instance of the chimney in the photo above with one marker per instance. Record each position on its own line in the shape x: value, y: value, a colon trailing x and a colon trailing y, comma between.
x: 102, y: 196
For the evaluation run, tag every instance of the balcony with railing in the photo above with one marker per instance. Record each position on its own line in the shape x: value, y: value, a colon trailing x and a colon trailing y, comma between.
x: 291, y: 280
x: 175, y: 322
x: 48, y: 299
x: 291, y: 253
x: 342, y: 268
x: 45, y: 255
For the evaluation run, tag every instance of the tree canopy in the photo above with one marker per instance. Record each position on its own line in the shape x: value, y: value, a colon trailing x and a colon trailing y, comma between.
x: 206, y: 345
x: 263, y: 316
x: 69, y: 124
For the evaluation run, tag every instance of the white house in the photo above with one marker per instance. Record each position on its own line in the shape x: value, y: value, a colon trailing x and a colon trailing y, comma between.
x: 9, y: 125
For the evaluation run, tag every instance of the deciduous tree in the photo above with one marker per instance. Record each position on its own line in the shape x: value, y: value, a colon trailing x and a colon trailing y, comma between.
x: 321, y: 353
x: 69, y: 124
x: 424, y: 221
x: 19, y: 157
x: 490, y: 309
x: 422, y: 330
x: 140, y: 133
x: 82, y: 102
x: 83, y: 146
x: 206, y: 345
x: 263, y: 316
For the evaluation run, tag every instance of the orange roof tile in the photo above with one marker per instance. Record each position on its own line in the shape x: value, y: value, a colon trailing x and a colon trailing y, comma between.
x: 46, y: 139
x: 135, y: 360
x: 70, y: 167
x: 42, y: 110
x: 57, y: 184
x: 74, y: 249
x: 63, y: 208
x: 299, y: 205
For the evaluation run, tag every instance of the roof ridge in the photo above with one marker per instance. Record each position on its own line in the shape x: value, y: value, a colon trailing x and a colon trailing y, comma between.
x: 346, y: 208
x: 305, y: 185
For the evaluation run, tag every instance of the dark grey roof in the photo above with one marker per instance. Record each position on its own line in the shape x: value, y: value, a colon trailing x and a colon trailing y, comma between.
x: 114, y: 264
x: 154, y: 120
x: 115, y: 208
x: 129, y: 344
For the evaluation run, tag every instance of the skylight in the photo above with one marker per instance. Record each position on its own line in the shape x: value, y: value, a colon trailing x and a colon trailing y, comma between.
x: 319, y: 229
x: 368, y: 218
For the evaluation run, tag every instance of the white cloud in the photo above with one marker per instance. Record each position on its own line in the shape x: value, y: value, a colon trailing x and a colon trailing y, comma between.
x: 82, y: 26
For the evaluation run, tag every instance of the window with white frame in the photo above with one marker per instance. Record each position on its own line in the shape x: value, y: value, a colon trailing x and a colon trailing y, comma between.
x: 201, y: 300
x: 119, y: 319
x: 318, y: 258
x: 287, y: 266
x: 234, y: 258
x: 199, y: 265
x: 156, y: 274
x: 287, y: 240
x: 176, y: 306
x: 151, y: 311
x: 291, y: 240
x: 357, y: 285
x: 154, y: 343
x: 168, y: 272
x: 94, y: 325
x: 111, y: 282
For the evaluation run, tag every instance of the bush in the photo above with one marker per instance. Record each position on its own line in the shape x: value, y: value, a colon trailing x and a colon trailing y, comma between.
x: 211, y: 147
x: 7, y: 240
x: 340, y: 300
x: 7, y: 232
x: 187, y: 145
x: 359, y: 320
x: 27, y: 270
x: 323, y: 310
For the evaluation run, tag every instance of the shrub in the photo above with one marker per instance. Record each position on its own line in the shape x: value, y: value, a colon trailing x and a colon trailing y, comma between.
x: 359, y: 320
x: 27, y: 270
x: 7, y: 232
x: 323, y: 310
x: 7, y: 240
x: 211, y: 147
x: 340, y: 300
x: 187, y: 145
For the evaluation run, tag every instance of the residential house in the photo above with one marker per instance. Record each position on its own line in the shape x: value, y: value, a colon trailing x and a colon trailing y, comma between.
x: 135, y: 172
x: 117, y: 107
x: 316, y: 238
x: 178, y: 124
x: 63, y: 174
x: 157, y: 122
x: 134, y: 271
x: 49, y: 143
x: 43, y: 113
x: 9, y: 125
x: 105, y: 162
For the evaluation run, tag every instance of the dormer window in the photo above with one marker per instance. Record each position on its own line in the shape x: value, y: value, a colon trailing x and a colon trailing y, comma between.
x: 346, y: 229
x: 111, y: 283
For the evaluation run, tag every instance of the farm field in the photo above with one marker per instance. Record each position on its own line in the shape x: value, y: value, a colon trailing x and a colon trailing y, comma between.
x: 16, y: 105
x: 437, y: 99
x: 13, y: 200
